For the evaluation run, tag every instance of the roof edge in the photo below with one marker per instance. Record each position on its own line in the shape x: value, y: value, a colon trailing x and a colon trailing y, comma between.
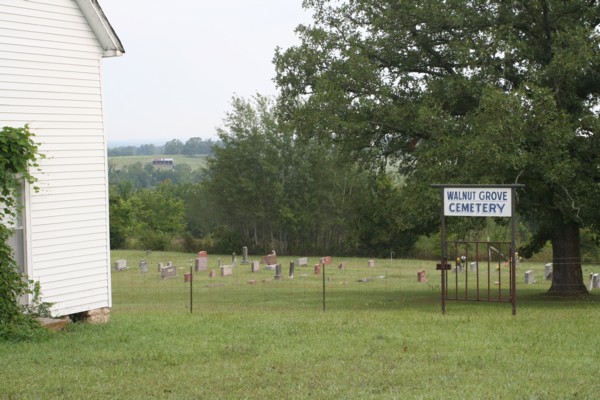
x: 103, y: 30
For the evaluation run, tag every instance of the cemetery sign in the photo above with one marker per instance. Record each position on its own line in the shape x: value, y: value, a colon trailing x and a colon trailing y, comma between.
x: 477, y: 202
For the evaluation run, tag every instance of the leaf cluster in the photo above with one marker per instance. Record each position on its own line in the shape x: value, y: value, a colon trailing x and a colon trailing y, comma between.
x: 18, y: 156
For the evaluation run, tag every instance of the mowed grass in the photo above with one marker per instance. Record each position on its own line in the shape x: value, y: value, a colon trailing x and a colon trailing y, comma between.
x: 383, y: 338
x: 195, y: 162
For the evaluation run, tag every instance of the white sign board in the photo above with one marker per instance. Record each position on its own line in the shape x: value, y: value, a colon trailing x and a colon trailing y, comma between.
x: 477, y: 202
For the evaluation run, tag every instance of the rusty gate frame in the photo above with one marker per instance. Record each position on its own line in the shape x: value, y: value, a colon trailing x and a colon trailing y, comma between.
x: 444, y: 266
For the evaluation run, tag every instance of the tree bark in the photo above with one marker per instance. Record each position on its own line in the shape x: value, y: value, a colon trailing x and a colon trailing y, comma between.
x: 567, y: 276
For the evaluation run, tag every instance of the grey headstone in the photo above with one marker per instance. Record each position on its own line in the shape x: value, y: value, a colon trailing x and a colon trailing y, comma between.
x: 302, y: 262
x: 594, y: 281
x: 120, y: 265
x: 278, y: 273
x: 255, y: 266
x: 143, y: 266
x: 168, y: 271
x: 201, y: 264
x: 226, y: 270
x: 548, y: 272
x: 244, y: 255
x: 529, y: 277
x: 292, y: 265
x: 473, y: 266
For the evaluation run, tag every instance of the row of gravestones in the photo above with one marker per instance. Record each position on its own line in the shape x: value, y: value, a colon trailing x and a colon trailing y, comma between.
x: 270, y: 261
x: 530, y: 277
x: 167, y: 270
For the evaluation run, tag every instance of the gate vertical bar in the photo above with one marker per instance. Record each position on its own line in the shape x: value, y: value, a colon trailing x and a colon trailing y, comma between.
x: 466, y: 271
x: 444, y: 260
x: 323, y: 269
x: 513, y: 259
x: 477, y: 267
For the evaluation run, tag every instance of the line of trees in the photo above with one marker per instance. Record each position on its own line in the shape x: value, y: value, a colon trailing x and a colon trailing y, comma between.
x: 266, y: 189
x: 192, y: 147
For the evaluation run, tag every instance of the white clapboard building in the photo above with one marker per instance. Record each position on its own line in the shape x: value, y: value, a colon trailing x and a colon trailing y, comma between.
x: 51, y: 55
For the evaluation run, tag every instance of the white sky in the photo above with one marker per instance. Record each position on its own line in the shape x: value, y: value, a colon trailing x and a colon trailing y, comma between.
x: 186, y: 59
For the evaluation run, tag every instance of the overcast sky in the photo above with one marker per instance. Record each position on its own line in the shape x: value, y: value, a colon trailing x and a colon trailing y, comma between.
x: 184, y: 61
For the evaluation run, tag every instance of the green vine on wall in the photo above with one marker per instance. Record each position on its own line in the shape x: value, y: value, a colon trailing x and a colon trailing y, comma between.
x: 18, y: 157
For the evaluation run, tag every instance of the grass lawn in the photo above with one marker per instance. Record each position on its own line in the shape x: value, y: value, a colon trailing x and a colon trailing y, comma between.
x: 383, y: 338
x: 195, y: 162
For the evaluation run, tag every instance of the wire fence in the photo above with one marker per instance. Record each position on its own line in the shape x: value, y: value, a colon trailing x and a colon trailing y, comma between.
x: 343, y: 284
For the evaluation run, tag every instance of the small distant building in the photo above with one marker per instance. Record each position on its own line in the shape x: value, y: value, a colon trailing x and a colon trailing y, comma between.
x: 164, y: 163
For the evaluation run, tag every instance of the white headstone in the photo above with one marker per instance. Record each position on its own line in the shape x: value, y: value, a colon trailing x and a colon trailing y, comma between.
x: 529, y: 277
x: 201, y: 264
x: 168, y: 272
x: 120, y: 265
x: 548, y: 272
x: 594, y: 281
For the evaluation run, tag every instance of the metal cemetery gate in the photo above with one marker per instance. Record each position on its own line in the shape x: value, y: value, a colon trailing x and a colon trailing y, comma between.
x: 483, y: 271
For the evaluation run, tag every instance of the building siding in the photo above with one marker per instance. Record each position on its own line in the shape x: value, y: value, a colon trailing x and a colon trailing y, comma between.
x: 50, y: 78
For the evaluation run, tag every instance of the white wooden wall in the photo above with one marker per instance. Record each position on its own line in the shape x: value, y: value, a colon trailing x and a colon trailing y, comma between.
x: 50, y: 77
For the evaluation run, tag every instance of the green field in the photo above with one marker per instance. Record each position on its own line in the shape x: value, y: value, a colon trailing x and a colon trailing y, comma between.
x: 381, y: 338
x: 195, y: 162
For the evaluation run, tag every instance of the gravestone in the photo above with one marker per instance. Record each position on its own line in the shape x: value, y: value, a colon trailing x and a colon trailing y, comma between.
x: 201, y: 264
x: 120, y: 265
x: 422, y: 276
x: 529, y: 277
x: 548, y: 272
x: 270, y: 259
x: 317, y: 269
x: 594, y: 281
x: 291, y: 273
x: 169, y: 263
x: 252, y: 282
x: 233, y: 260
x: 302, y: 262
x: 160, y: 266
x: 168, y: 271
x: 270, y: 267
x: 342, y: 265
x: 278, y: 273
x: 473, y: 266
x: 371, y: 263
x: 254, y: 266
x: 187, y: 277
x: 326, y: 260
x: 244, y: 255
x: 143, y: 266
x: 226, y: 270
x: 212, y: 273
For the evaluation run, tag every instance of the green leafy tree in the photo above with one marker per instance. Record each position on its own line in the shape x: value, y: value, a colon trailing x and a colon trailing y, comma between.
x: 462, y: 92
x: 173, y: 147
x: 250, y: 169
x: 196, y: 146
x: 159, y: 215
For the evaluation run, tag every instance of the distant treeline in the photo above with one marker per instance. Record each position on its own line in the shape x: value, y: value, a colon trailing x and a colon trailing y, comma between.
x: 192, y: 147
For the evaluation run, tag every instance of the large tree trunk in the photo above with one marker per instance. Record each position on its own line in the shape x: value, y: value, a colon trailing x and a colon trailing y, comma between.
x: 567, y: 276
